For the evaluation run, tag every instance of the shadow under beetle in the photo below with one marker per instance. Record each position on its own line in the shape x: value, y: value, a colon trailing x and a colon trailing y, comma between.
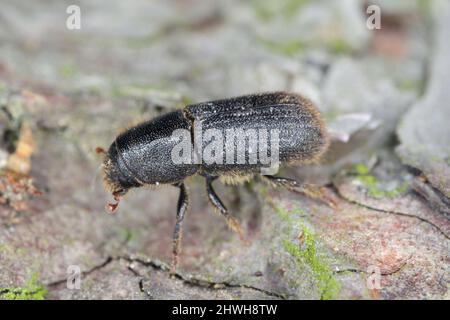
x: 142, y: 155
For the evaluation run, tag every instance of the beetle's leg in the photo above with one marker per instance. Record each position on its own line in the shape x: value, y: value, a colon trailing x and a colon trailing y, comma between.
x: 232, y: 222
x: 183, y: 202
x: 309, y: 190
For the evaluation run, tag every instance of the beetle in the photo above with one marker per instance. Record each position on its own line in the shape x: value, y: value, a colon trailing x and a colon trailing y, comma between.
x: 143, y: 155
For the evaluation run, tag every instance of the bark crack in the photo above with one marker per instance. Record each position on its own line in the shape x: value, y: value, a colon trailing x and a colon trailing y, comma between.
x: 160, y: 266
x: 195, y: 281
x: 364, y: 205
x: 107, y: 261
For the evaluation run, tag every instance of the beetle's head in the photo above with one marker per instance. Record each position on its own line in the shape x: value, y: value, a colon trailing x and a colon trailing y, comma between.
x: 116, y: 177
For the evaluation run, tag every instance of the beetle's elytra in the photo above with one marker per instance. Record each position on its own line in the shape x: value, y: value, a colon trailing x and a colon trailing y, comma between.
x: 144, y: 154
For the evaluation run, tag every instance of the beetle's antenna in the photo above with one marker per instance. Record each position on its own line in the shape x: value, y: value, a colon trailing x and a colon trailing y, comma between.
x: 100, y: 150
x: 111, y: 207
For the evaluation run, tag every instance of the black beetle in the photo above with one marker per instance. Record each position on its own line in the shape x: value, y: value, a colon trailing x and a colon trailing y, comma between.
x: 144, y: 154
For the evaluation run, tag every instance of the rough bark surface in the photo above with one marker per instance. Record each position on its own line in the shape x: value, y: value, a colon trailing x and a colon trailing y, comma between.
x: 387, y: 238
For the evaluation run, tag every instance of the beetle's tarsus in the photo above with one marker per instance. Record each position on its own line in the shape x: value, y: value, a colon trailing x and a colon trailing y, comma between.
x: 318, y: 193
x: 309, y: 190
x: 235, y: 225
x: 183, y: 202
x: 232, y: 222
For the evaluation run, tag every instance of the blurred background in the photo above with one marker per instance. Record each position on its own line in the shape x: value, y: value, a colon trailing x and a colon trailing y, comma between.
x: 65, y: 91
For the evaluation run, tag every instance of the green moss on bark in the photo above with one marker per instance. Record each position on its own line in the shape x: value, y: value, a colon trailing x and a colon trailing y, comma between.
x: 327, y: 284
x: 306, y: 253
x: 372, y: 185
x: 33, y: 290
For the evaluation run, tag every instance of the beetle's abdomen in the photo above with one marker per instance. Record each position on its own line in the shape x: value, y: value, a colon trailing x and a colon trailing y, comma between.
x: 301, y: 133
x: 146, y: 150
